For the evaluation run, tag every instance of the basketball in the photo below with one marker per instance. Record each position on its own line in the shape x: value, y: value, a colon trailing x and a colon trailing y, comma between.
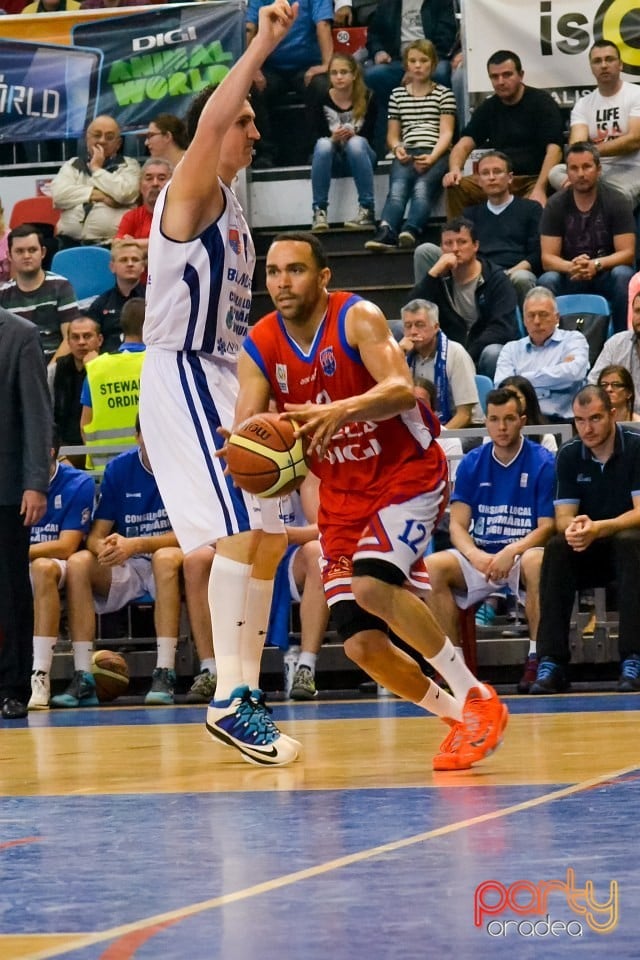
x: 111, y: 674
x: 265, y: 458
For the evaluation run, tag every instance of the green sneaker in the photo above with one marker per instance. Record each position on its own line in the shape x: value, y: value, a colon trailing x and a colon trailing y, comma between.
x: 304, y: 685
x: 202, y: 688
x: 163, y: 682
x: 81, y: 692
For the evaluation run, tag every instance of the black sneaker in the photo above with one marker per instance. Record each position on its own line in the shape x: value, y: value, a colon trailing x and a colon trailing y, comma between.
x: 629, y: 674
x: 550, y: 678
x: 384, y: 239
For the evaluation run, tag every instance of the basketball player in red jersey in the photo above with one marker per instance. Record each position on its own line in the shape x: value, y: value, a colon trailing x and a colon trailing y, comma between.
x: 329, y: 360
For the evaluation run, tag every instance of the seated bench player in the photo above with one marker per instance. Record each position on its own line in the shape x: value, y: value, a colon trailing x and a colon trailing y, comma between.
x: 131, y: 550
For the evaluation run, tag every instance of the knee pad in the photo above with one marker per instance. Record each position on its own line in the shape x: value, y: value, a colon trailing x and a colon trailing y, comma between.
x: 379, y: 570
x: 350, y: 619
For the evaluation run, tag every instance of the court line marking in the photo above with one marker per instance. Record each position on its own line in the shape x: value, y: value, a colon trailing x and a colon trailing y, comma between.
x: 267, y: 886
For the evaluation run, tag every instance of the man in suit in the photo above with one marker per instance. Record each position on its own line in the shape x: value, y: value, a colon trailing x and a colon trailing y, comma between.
x: 25, y: 442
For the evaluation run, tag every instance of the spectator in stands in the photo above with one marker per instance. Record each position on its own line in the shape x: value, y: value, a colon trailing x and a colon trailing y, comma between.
x: 617, y: 382
x: 166, y: 138
x: 597, y: 510
x: 395, y: 24
x: 44, y: 298
x: 131, y: 550
x: 521, y: 121
x: 475, y: 299
x: 357, y: 13
x: 587, y: 235
x: 527, y: 396
x: 432, y: 356
x: 85, y: 340
x: 136, y: 223
x: 300, y: 62
x: 623, y: 349
x: 25, y: 441
x: 344, y: 121
x: 59, y: 533
x: 5, y: 262
x: 608, y: 117
x: 507, y: 227
x: 555, y: 361
x: 51, y: 6
x: 111, y: 390
x: 95, y: 189
x: 128, y: 264
x: 422, y: 119
x: 501, y: 513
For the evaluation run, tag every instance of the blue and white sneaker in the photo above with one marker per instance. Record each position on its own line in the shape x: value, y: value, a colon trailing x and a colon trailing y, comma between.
x: 245, y: 723
x: 163, y: 682
x: 629, y: 674
x: 81, y: 692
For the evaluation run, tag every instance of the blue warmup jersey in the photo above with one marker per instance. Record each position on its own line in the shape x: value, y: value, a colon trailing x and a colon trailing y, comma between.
x: 506, y: 501
x: 69, y: 504
x: 130, y: 498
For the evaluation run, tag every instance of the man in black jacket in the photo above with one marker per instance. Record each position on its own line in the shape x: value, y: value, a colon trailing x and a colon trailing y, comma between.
x: 25, y: 442
x: 475, y: 299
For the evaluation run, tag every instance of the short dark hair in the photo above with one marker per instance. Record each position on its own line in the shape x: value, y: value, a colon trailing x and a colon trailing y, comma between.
x: 500, y: 155
x: 584, y: 146
x: 501, y: 395
x: 604, y: 43
x: 25, y: 230
x: 169, y: 123
x: 132, y: 317
x: 303, y: 236
x: 458, y: 224
x: 195, y: 108
x: 501, y: 55
x: 592, y: 391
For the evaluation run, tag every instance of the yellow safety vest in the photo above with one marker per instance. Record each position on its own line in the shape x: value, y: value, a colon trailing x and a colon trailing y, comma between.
x: 114, y: 383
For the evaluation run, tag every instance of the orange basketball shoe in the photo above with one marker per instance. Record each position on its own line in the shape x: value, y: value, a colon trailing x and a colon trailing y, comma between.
x: 448, y: 756
x: 475, y: 737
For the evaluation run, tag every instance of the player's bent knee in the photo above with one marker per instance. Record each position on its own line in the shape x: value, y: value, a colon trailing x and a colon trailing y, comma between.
x: 350, y: 619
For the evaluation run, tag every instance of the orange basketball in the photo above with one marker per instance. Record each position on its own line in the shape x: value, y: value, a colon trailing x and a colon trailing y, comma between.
x: 265, y: 458
x: 111, y: 674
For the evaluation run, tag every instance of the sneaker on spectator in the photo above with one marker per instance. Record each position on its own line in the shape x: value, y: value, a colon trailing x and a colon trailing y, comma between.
x: 484, y: 719
x: 304, y: 685
x: 407, y: 239
x: 245, y: 723
x: 551, y: 678
x: 320, y: 222
x: 485, y: 615
x: 629, y: 674
x: 40, y: 691
x: 530, y: 673
x: 81, y: 692
x: 163, y: 682
x: 202, y: 688
x: 384, y: 239
x: 363, y: 220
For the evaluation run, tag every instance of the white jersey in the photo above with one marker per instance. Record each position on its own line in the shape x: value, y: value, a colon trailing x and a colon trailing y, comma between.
x: 199, y: 291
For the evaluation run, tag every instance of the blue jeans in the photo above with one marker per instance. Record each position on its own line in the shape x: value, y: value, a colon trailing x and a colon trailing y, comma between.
x: 355, y: 158
x: 612, y: 284
x: 422, y: 190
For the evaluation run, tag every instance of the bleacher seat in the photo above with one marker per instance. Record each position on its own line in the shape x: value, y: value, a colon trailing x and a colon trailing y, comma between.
x: 86, y: 268
x: 349, y: 40
x: 35, y: 210
x: 591, y: 315
x: 484, y: 385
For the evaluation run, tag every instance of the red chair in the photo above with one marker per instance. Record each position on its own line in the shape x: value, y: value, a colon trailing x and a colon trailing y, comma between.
x: 349, y: 39
x: 34, y: 210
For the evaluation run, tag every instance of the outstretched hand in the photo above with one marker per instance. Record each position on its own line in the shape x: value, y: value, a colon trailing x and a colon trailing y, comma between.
x: 275, y: 21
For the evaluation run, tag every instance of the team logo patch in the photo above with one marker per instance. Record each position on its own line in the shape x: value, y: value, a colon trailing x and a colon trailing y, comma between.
x: 234, y: 240
x: 328, y: 361
x: 282, y: 377
x: 229, y: 318
x: 57, y: 502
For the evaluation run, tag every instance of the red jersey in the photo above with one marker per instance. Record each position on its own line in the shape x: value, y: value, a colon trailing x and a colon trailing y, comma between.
x: 370, y: 463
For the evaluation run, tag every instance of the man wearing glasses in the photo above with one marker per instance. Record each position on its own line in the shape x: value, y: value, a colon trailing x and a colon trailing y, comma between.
x: 94, y: 189
x: 623, y: 350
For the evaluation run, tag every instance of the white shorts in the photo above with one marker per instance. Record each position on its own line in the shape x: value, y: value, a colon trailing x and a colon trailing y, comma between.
x: 184, y: 398
x: 62, y: 566
x: 129, y: 581
x: 479, y: 588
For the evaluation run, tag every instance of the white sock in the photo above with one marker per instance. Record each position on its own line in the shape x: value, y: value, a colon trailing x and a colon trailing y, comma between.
x: 450, y: 665
x: 209, y: 664
x: 43, y: 653
x: 254, y: 631
x: 307, y: 659
x: 532, y: 648
x: 438, y: 701
x: 228, y: 583
x: 166, y: 652
x: 82, y: 654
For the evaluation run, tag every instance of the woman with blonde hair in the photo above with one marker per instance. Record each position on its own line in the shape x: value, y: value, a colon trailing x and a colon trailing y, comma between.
x: 166, y: 137
x: 344, y: 121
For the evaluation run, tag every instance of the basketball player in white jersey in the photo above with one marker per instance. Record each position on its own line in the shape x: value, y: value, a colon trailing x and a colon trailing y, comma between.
x: 201, y: 261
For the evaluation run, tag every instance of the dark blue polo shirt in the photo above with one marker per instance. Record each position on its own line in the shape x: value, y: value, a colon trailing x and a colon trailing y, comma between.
x: 601, y: 491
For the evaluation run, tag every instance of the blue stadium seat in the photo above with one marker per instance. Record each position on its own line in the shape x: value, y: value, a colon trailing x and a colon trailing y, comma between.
x: 484, y: 385
x: 589, y: 313
x: 86, y: 268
